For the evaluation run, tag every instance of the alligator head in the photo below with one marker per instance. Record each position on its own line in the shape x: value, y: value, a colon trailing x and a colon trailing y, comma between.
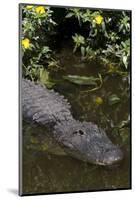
x: 86, y: 141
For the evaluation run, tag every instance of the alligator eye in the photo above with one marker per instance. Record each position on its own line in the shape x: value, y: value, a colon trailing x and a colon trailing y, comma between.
x: 81, y: 132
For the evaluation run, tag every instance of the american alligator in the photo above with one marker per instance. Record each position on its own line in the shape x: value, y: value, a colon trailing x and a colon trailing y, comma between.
x: 82, y: 140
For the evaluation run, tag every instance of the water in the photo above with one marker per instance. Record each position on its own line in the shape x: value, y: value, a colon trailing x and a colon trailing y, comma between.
x: 46, y: 169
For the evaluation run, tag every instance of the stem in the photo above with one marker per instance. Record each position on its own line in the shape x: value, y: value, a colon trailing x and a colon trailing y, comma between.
x: 96, y: 88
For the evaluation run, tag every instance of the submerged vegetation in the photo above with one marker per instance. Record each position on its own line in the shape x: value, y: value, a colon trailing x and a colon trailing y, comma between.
x: 102, y: 36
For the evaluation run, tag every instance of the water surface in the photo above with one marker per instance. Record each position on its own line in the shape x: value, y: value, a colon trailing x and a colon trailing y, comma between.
x: 46, y: 169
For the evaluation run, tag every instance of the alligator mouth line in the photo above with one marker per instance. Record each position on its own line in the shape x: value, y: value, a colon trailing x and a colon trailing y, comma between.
x: 115, y: 162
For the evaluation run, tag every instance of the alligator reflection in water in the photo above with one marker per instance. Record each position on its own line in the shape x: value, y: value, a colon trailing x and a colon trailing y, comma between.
x: 45, y: 172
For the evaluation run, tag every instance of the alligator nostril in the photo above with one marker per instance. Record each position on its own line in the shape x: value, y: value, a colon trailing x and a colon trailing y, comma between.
x: 78, y: 132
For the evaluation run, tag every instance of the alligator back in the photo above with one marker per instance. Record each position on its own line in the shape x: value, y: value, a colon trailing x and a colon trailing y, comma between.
x: 42, y: 105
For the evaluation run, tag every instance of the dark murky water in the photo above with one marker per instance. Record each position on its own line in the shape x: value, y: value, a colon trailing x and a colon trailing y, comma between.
x: 45, y: 171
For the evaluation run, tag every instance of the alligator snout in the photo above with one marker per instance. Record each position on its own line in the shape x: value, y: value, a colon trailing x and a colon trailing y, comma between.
x: 112, y: 157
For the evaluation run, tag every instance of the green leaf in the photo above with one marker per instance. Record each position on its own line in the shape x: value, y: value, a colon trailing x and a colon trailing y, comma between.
x: 125, y: 61
x: 78, y: 39
x: 83, y: 51
x: 44, y: 78
x: 82, y: 80
x: 69, y: 15
x: 124, y: 123
x: 44, y: 75
x: 113, y: 99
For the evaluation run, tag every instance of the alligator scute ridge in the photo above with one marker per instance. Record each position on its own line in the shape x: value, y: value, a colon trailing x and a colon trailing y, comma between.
x: 82, y: 140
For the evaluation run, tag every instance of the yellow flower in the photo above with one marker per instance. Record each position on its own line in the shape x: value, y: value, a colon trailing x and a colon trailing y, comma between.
x: 99, y: 19
x: 26, y: 43
x: 40, y: 10
x: 98, y: 100
x: 29, y: 7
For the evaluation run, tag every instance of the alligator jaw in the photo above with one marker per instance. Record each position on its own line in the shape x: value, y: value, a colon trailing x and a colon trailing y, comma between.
x: 86, y: 141
x: 116, y: 157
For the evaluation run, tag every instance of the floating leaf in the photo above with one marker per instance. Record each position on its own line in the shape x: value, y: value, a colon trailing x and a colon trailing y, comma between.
x: 113, y: 99
x: 82, y: 80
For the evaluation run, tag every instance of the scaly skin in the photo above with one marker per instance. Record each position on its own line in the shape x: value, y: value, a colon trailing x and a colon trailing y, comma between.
x: 82, y: 140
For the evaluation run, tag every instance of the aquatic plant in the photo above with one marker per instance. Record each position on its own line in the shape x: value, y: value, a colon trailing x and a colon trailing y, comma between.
x: 107, y: 35
x: 37, y: 22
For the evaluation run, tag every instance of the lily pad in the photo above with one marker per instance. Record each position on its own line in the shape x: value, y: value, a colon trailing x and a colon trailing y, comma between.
x: 82, y: 80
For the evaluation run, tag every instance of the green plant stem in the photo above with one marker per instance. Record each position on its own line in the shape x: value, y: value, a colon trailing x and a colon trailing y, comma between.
x: 96, y: 88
